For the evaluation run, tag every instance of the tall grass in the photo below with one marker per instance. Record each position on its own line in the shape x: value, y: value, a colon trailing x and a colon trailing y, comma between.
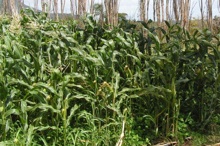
x: 62, y: 84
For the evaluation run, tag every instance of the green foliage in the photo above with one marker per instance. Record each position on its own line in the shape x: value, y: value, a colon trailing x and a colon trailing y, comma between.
x: 65, y: 85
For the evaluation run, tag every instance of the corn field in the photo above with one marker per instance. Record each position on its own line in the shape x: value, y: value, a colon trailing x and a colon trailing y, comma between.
x: 66, y: 84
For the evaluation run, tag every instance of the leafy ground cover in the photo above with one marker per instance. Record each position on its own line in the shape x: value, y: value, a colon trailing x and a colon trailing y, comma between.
x: 65, y: 84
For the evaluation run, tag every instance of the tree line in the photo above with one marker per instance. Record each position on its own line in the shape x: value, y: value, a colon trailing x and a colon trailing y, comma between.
x: 179, y: 11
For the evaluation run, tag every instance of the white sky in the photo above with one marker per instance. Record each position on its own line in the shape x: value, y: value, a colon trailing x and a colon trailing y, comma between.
x: 131, y: 7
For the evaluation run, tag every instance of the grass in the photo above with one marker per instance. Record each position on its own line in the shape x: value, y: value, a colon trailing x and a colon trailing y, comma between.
x: 204, y: 139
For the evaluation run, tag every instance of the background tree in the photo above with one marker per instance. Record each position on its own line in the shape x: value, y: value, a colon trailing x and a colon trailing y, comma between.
x: 21, y: 3
x: 144, y: 9
x: 46, y: 6
x: 49, y: 7
x: 182, y: 8
x: 55, y: 8
x: 14, y: 9
x: 147, y: 11
x: 176, y: 10
x: 111, y: 7
x: 209, y: 14
x: 92, y: 6
x: 108, y: 7
x: 99, y: 12
x: 115, y: 12
x: 81, y: 7
x: 201, y: 12
x: 185, y: 7
x: 186, y: 13
x: 162, y: 10
x: 62, y: 2
x: 167, y: 10
x: 73, y: 7
x: 154, y: 10
x: 158, y: 12
x: 218, y: 6
x: 36, y: 5
x: 142, y: 4
x: 7, y: 6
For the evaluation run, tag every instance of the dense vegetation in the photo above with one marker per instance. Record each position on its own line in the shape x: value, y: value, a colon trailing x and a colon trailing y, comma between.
x: 65, y: 84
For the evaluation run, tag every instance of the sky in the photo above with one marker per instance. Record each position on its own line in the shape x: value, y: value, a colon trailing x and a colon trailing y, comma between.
x: 130, y: 7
